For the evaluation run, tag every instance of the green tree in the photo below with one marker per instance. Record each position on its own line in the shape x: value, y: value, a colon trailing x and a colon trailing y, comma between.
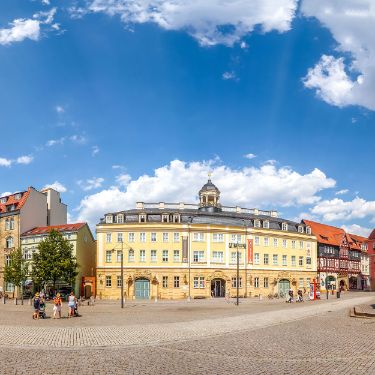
x: 17, y: 270
x: 54, y: 261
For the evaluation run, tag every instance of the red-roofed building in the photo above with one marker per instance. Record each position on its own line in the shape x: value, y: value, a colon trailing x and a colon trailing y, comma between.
x: 84, y: 249
x: 22, y: 211
x: 339, y: 257
x: 371, y: 253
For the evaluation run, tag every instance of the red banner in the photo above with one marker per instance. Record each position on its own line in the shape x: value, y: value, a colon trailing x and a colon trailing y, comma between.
x: 250, y: 251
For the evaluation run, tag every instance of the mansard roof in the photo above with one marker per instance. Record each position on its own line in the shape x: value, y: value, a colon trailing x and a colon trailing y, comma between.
x: 11, y: 203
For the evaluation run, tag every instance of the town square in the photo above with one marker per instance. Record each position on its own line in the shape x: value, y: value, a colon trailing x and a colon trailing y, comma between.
x: 187, y: 187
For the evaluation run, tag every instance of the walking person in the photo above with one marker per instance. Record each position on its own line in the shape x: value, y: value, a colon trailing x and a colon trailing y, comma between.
x: 36, y: 304
x: 72, y: 300
x: 57, y: 304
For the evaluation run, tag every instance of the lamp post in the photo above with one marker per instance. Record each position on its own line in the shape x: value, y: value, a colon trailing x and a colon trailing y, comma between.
x: 238, y: 276
x: 188, y: 246
x: 122, y: 272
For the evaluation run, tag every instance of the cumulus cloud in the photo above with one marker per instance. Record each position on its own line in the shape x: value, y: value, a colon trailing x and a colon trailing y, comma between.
x: 210, y: 21
x: 351, y: 23
x: 263, y: 187
x: 229, y: 76
x: 5, y: 194
x: 357, y: 229
x: 56, y: 186
x: 27, y: 159
x: 250, y: 156
x: 5, y: 162
x: 338, y: 209
x: 19, y: 30
x: 53, y: 142
x: 79, y: 139
x: 91, y: 183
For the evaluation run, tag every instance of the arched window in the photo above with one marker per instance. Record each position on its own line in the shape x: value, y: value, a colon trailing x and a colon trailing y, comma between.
x: 9, y: 242
x: 7, y: 224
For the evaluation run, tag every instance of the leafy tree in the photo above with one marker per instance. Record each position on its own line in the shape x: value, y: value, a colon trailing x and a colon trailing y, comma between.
x: 17, y: 270
x: 54, y: 261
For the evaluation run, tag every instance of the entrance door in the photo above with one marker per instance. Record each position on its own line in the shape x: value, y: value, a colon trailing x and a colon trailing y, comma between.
x: 142, y: 289
x: 284, y: 286
x: 88, y: 291
x: 218, y: 288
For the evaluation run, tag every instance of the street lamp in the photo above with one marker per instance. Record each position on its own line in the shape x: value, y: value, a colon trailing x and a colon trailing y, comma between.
x: 190, y: 220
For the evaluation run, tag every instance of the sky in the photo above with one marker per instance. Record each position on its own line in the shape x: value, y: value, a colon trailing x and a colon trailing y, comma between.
x: 116, y: 101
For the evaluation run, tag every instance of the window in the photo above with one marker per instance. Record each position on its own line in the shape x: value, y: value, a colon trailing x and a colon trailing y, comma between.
x: 256, y: 258
x: 284, y: 260
x: 233, y: 256
x: 218, y: 237
x: 7, y: 224
x: 131, y: 255
x: 308, y: 261
x: 108, y: 256
x: 17, y: 196
x: 3, y: 200
x: 198, y: 282
x: 275, y: 242
x: 234, y: 282
x: 284, y: 243
x: 300, y: 261
x: 142, y: 255
x: 176, y: 237
x: 300, y: 228
x: 217, y: 256
x: 153, y: 256
x: 293, y: 244
x: 236, y: 238
x: 108, y: 219
x: 165, y: 218
x: 308, y: 230
x: 176, y: 281
x: 256, y: 223
x: 131, y: 237
x: 165, y: 256
x: 308, y: 282
x: 256, y: 240
x: 165, y: 281
x: 266, y: 224
x: 153, y: 237
x: 198, y: 256
x: 108, y: 281
x: 284, y: 226
x: 11, y: 224
x: 9, y: 242
x: 7, y: 260
x: 300, y: 283
x: 142, y: 237
x: 293, y: 260
x: 176, y: 255
x: 256, y: 282
x: 265, y: 259
x: 120, y: 219
x: 198, y: 237
x: 109, y: 238
x: 176, y: 218
x: 119, y: 256
x: 119, y: 281
x: 9, y: 287
x: 142, y: 218
x: 119, y: 237
x: 275, y: 259
x: 266, y: 241
x: 27, y: 254
x: 165, y: 237
x: 265, y: 282
x: 301, y: 244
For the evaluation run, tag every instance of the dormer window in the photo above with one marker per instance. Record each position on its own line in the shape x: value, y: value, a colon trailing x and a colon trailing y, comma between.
x: 284, y: 226
x: 3, y: 200
x: 17, y: 196
x: 142, y: 218
x: 308, y: 230
x: 165, y: 218
x: 266, y: 224
x: 176, y: 218
x: 120, y: 219
x: 300, y: 228
x: 256, y: 223
x: 109, y: 219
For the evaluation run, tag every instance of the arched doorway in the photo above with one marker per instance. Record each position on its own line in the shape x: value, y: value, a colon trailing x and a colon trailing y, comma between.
x: 284, y: 286
x: 218, y: 288
x: 142, y: 288
x: 330, y: 282
x: 88, y: 292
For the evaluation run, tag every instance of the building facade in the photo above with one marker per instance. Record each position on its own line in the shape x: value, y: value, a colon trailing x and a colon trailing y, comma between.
x: 175, y: 251
x: 82, y: 240
x: 371, y: 256
x: 20, y: 212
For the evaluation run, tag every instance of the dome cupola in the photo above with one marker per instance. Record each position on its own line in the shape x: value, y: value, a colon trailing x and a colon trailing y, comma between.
x: 209, y: 196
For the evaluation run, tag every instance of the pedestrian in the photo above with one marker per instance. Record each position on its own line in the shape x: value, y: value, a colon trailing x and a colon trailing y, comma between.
x: 36, y: 304
x: 57, y: 304
x: 72, y: 300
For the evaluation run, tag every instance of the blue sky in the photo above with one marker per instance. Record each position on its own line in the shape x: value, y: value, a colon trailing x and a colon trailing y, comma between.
x: 114, y: 104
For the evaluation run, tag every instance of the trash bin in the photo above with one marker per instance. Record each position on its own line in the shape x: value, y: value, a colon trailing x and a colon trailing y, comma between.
x: 338, y: 294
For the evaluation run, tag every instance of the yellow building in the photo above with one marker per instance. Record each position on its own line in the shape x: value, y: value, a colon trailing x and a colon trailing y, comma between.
x: 173, y: 251
x: 79, y: 235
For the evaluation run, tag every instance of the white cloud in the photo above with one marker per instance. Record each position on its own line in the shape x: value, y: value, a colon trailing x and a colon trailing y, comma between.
x: 91, y: 183
x: 5, y: 194
x: 79, y: 139
x: 123, y: 179
x: 351, y: 23
x: 357, y: 229
x: 5, y: 162
x: 59, y: 109
x: 250, y: 156
x: 117, y: 167
x: 53, y: 142
x: 94, y: 150
x: 263, y: 187
x: 27, y: 159
x: 341, y: 192
x: 210, y: 21
x: 56, y: 186
x: 229, y: 76
x: 338, y: 209
x: 20, y: 29
x: 46, y: 2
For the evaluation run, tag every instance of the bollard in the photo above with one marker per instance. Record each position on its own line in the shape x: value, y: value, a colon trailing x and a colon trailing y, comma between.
x: 4, y: 300
x: 327, y: 294
x: 15, y: 301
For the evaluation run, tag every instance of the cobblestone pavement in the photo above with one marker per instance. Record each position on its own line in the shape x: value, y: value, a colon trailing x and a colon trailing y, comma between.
x: 262, y: 338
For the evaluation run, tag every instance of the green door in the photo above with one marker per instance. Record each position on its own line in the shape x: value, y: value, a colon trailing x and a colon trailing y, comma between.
x: 142, y: 289
x: 284, y: 286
